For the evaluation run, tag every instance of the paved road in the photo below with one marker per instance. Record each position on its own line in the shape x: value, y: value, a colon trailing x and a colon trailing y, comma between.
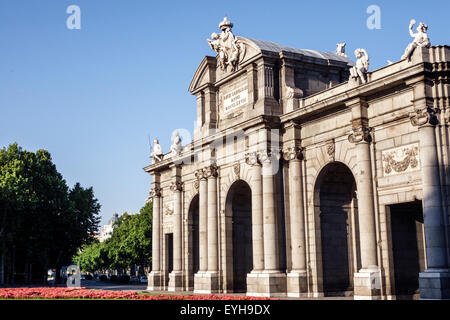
x: 92, y: 284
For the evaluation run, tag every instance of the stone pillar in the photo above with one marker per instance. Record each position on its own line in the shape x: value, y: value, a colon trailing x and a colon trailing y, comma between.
x: 212, y: 276
x: 270, y: 282
x: 176, y: 276
x: 257, y: 213
x: 367, y: 281
x: 155, y: 277
x: 435, y: 281
x: 203, y: 224
x: 296, y: 279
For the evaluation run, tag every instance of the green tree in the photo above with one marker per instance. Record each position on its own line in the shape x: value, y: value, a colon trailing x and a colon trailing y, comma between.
x: 43, y: 223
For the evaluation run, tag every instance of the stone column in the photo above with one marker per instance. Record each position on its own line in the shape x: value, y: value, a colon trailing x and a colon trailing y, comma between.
x: 212, y: 277
x: 257, y: 212
x: 271, y: 282
x: 154, y: 280
x: 367, y: 281
x: 203, y: 224
x: 296, y: 279
x: 176, y: 276
x: 435, y: 281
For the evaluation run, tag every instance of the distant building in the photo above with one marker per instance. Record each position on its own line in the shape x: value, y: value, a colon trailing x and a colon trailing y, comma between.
x: 107, y: 230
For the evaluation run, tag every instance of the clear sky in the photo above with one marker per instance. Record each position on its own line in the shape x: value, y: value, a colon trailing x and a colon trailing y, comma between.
x: 93, y: 96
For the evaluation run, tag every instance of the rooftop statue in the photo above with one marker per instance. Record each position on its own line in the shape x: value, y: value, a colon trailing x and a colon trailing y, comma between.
x: 157, y: 153
x: 230, y: 50
x: 340, y: 50
x: 176, y: 147
x: 420, y: 39
x: 362, y: 66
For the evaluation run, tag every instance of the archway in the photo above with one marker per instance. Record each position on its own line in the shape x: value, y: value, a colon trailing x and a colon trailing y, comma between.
x: 239, y: 235
x: 194, y: 244
x: 336, y: 212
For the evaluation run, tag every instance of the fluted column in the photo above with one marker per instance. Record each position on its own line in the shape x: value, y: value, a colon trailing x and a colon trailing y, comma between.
x: 366, y: 213
x: 271, y: 261
x: 296, y: 209
x: 203, y: 222
x: 176, y: 188
x: 155, y: 277
x: 211, y: 174
x: 257, y: 212
x: 156, y: 229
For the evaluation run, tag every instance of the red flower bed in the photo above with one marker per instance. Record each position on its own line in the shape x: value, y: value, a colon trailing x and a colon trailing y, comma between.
x: 83, y: 293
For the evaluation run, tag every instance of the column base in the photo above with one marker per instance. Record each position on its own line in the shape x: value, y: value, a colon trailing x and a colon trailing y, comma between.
x: 154, y: 281
x: 206, y: 282
x: 297, y: 284
x: 434, y: 285
x: 175, y: 281
x: 367, y: 283
x: 266, y: 284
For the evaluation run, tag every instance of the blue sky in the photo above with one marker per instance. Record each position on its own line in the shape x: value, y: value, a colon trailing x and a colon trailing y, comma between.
x: 93, y: 96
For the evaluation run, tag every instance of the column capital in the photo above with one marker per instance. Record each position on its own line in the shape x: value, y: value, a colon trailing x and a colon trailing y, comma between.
x: 267, y: 156
x: 293, y: 153
x: 424, y: 117
x: 360, y: 134
x: 251, y: 159
x: 176, y: 186
x: 211, y: 171
x: 155, y: 192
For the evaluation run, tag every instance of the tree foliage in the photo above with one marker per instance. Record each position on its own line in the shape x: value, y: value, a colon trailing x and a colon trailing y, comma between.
x: 129, y: 245
x: 42, y: 222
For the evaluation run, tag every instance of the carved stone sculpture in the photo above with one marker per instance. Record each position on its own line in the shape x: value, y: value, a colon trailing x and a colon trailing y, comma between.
x: 420, y: 39
x: 362, y: 66
x: 176, y: 147
x: 157, y: 154
x: 229, y: 49
x: 340, y: 50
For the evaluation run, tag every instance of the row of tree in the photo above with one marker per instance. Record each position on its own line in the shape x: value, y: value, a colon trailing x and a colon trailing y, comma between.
x: 43, y: 222
x: 128, y: 246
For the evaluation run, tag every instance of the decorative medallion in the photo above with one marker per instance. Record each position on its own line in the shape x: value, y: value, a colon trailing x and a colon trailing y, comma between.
x: 401, y: 160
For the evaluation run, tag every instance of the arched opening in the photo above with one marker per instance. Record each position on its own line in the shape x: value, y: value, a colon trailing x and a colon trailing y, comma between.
x: 336, y: 212
x: 239, y: 235
x: 194, y: 244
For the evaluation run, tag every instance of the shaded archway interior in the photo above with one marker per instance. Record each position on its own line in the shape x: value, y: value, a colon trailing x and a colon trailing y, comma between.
x: 336, y: 189
x: 239, y: 199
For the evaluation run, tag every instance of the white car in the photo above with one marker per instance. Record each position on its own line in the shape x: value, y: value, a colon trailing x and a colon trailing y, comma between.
x: 143, y: 279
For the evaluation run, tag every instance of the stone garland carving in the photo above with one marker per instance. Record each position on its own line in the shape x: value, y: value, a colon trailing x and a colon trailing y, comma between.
x: 360, y: 134
x: 425, y: 116
x: 331, y: 150
x: 293, y: 153
x: 230, y: 50
x: 401, y: 159
x: 237, y: 170
x: 168, y: 209
x: 421, y: 39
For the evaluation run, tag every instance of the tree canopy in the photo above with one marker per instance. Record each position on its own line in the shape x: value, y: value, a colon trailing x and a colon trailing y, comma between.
x: 42, y: 221
x: 129, y: 245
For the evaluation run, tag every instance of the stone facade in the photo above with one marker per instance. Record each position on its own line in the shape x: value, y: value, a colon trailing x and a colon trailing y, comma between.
x: 301, y: 183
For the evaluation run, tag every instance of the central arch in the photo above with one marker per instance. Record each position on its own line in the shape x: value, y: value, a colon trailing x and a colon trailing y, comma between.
x: 336, y: 213
x: 238, y: 208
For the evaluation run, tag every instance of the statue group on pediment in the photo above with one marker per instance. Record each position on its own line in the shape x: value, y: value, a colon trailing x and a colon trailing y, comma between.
x: 230, y: 50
